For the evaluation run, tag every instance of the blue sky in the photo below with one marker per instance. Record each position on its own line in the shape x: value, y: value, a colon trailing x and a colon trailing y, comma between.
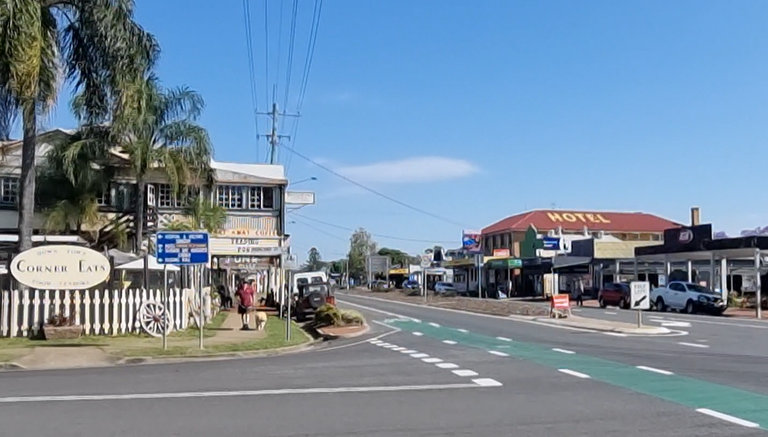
x: 483, y: 109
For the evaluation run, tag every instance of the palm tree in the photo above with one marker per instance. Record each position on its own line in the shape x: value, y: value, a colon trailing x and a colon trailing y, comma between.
x: 159, y: 131
x: 94, y: 44
x: 201, y: 214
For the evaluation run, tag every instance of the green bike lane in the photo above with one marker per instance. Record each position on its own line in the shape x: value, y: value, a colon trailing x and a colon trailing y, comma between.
x: 690, y: 392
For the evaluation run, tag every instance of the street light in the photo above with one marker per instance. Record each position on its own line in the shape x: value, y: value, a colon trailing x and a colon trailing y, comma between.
x: 313, y: 178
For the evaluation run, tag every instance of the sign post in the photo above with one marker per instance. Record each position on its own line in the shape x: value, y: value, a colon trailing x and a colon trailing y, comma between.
x: 185, y: 249
x: 640, y: 299
x: 165, y: 306
x: 426, y: 261
x: 479, y: 266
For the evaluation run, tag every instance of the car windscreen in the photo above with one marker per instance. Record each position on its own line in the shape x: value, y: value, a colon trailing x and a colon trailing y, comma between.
x: 699, y: 289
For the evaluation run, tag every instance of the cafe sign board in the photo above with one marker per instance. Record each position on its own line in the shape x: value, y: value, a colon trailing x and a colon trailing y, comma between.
x: 60, y: 267
x: 246, y: 246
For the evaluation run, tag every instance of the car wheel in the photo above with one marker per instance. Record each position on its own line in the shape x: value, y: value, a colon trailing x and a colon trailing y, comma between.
x: 660, y: 305
x: 689, y: 307
x: 601, y: 302
x: 623, y: 304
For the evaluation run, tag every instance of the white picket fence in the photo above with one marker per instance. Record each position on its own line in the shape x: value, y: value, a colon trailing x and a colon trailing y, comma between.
x: 100, y: 312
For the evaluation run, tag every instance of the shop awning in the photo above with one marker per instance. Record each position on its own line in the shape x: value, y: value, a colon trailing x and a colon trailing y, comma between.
x: 506, y: 263
x: 561, y: 262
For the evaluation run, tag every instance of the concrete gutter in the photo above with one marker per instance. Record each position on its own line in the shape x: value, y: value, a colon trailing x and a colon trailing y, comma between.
x: 604, y: 326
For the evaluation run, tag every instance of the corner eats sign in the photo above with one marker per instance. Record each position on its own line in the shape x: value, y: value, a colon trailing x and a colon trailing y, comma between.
x: 60, y: 267
x: 576, y: 217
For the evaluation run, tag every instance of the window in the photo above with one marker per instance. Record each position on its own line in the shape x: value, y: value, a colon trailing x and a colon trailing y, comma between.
x: 250, y: 198
x: 10, y: 190
x: 230, y: 196
x: 166, y: 198
x: 105, y: 198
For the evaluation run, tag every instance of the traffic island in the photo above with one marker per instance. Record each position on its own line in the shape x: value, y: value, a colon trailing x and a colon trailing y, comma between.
x: 222, y: 338
x: 604, y: 325
x: 331, y: 323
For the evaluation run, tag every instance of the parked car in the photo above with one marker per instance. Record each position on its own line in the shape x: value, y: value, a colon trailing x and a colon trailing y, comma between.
x: 444, y: 287
x: 309, y: 298
x: 687, y: 297
x: 614, y: 294
x: 411, y: 285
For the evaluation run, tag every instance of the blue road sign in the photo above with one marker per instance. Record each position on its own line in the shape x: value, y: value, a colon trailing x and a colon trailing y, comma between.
x: 551, y: 243
x: 182, y: 248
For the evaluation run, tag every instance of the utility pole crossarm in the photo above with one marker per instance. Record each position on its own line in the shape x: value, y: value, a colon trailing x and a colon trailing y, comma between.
x: 274, y: 137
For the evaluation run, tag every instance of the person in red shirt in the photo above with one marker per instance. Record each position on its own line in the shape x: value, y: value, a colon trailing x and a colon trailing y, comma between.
x: 245, y: 297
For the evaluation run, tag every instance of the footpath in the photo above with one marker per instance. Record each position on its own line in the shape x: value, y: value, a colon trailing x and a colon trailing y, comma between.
x: 221, y: 337
x: 529, y: 309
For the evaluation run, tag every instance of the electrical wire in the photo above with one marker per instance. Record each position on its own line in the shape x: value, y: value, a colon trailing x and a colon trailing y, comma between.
x: 266, y: 50
x: 289, y: 63
x: 322, y: 231
x: 310, y: 55
x: 279, y: 49
x: 371, y: 190
x: 389, y: 237
x: 251, y: 70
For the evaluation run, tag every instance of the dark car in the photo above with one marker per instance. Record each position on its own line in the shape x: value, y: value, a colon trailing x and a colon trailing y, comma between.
x: 309, y: 298
x: 614, y: 294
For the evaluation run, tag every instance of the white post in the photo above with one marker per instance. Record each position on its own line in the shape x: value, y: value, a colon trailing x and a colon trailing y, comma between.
x: 690, y: 271
x: 202, y: 313
x: 166, y: 307
x: 759, y: 300
x: 724, y: 279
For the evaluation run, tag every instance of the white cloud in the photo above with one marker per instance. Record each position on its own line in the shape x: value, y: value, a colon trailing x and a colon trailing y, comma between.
x: 416, y: 169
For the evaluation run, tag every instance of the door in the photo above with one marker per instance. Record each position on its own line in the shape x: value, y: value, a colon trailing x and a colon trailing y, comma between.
x: 678, y: 296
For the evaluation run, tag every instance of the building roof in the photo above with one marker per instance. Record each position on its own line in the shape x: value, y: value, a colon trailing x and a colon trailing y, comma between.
x: 255, y: 173
x: 544, y: 220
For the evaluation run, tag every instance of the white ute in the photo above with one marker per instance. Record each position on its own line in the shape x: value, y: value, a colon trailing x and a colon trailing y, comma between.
x: 687, y: 297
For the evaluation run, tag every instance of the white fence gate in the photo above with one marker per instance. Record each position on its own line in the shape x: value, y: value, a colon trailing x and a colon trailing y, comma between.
x: 99, y: 312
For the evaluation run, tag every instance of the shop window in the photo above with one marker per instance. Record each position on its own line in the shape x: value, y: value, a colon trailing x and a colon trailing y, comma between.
x: 10, y: 190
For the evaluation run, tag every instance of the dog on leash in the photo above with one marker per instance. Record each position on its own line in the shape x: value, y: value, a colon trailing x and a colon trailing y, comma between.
x: 261, y: 320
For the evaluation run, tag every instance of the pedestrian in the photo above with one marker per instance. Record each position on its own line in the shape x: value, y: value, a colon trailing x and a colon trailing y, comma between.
x: 579, y: 292
x: 224, y: 297
x: 245, y: 298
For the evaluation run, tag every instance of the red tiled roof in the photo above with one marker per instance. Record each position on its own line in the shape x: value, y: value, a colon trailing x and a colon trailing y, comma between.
x: 545, y: 220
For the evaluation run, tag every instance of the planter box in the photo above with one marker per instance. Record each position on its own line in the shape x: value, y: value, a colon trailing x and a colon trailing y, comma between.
x: 62, y: 332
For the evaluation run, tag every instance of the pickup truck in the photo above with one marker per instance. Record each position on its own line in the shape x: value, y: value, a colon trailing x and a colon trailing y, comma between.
x: 687, y: 297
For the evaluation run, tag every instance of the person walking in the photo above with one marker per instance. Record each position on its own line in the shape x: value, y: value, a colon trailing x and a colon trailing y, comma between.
x: 245, y: 298
x: 579, y: 290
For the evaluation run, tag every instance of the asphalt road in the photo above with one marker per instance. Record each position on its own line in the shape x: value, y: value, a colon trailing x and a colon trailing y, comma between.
x: 448, y: 374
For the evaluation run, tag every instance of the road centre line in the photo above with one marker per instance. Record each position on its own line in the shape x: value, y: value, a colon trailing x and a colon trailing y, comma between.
x: 462, y: 330
x: 464, y: 372
x: 447, y: 365
x: 409, y: 351
x: 503, y: 339
x: 574, y: 373
x: 420, y: 355
x: 498, y: 354
x: 417, y: 334
x: 655, y: 370
x: 449, y: 342
x: 432, y: 360
x: 563, y: 351
x: 728, y: 418
x: 241, y: 393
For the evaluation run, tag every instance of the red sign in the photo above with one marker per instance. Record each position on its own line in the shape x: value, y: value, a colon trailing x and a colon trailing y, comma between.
x: 500, y: 252
x: 560, y: 302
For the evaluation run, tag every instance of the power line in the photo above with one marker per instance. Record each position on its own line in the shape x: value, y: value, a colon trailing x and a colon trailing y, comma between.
x: 371, y: 190
x: 266, y: 48
x: 322, y: 231
x: 310, y: 55
x: 251, y: 69
x: 291, y: 45
x: 414, y: 240
x: 279, y: 49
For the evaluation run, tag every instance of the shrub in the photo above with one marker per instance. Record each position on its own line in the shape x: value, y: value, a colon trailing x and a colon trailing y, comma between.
x: 328, y: 315
x: 352, y: 317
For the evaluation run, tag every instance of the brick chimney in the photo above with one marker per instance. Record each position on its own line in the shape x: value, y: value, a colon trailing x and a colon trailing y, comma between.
x: 695, y: 216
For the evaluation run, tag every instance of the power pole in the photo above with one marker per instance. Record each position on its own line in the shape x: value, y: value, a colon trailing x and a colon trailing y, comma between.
x: 273, y: 137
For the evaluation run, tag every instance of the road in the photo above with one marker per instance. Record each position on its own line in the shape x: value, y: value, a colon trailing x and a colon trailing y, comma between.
x: 446, y: 373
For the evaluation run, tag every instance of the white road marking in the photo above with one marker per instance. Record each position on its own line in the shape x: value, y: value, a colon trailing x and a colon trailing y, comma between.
x: 399, y: 349
x: 563, y: 351
x: 409, y: 351
x: 379, y: 311
x: 728, y: 418
x: 420, y: 355
x: 464, y: 372
x: 375, y: 341
x: 416, y: 320
x: 503, y: 339
x: 693, y: 344
x: 499, y: 354
x: 384, y: 344
x: 417, y: 334
x: 655, y: 370
x: 462, y: 330
x: 615, y: 334
x: 220, y: 394
x: 576, y: 310
x: 434, y: 324
x: 487, y: 382
x: 447, y: 365
x: 610, y: 313
x: 574, y: 373
x: 449, y: 342
x: 655, y: 318
x: 432, y: 360
x: 739, y: 325
x: 674, y: 324
x: 392, y: 346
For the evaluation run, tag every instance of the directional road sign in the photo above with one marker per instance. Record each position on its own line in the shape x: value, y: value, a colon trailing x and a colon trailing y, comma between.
x: 182, y: 248
x: 640, y: 295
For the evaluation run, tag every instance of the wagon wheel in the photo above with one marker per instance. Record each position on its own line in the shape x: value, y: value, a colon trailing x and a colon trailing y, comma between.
x: 153, y: 318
